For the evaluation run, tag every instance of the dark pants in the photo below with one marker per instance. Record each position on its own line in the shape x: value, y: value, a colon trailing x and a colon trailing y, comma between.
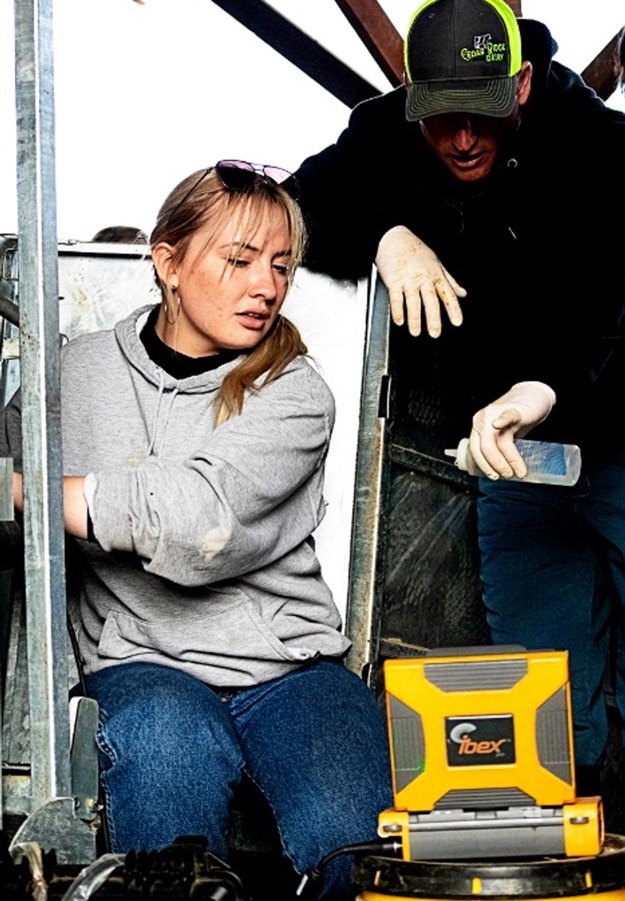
x: 553, y: 572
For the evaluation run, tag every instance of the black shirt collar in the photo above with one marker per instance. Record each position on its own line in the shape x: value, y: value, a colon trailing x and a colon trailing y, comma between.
x: 176, y: 364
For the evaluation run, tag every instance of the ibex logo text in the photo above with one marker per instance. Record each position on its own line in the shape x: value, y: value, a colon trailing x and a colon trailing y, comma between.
x: 480, y: 740
x: 462, y: 735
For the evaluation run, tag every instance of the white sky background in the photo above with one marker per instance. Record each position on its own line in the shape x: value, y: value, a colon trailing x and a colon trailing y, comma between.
x: 147, y: 93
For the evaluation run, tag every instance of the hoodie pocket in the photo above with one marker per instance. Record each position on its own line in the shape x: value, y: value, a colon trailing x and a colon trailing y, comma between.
x: 212, y: 632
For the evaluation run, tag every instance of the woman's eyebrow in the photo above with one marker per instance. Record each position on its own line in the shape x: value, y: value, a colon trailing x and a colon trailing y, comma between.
x: 243, y: 245
x: 239, y: 245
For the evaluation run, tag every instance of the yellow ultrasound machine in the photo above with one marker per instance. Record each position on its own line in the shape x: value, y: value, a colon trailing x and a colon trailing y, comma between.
x: 482, y: 757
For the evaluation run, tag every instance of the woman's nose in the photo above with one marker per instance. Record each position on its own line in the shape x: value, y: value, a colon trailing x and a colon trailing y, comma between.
x: 264, y: 282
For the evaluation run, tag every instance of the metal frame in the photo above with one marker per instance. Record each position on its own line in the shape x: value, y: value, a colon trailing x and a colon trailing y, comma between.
x: 39, y: 352
x: 50, y: 803
x: 365, y: 586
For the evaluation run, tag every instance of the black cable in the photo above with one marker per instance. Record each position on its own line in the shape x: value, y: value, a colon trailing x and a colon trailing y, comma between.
x: 312, y: 882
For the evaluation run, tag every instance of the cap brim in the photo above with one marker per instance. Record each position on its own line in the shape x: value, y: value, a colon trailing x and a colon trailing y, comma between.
x: 479, y: 97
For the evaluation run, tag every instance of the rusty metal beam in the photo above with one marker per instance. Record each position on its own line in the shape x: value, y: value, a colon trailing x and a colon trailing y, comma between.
x: 602, y: 74
x: 378, y: 34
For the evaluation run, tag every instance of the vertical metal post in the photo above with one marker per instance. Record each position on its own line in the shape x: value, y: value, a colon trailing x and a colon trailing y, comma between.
x: 41, y: 420
x: 365, y: 588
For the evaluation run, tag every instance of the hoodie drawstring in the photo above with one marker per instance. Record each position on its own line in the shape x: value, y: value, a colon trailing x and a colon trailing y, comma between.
x: 161, y: 393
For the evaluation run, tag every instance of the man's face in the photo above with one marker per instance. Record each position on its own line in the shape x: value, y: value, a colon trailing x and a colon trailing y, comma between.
x: 469, y: 145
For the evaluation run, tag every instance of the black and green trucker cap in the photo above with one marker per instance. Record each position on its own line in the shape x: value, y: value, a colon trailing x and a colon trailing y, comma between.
x: 462, y: 56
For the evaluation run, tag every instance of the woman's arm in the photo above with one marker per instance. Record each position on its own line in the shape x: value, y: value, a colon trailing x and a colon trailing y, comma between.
x: 74, y: 506
x: 252, y: 494
x: 74, y: 503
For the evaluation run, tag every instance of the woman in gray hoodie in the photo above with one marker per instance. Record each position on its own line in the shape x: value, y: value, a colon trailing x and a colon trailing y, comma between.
x: 194, y: 439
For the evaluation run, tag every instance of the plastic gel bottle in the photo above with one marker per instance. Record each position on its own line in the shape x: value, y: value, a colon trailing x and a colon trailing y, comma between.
x: 547, y: 463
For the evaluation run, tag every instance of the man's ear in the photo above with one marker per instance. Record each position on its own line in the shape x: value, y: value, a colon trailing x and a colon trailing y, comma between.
x: 163, y: 259
x: 524, y: 85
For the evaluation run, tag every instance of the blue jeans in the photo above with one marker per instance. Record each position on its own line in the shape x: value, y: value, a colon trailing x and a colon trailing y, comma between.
x: 172, y: 750
x: 553, y: 572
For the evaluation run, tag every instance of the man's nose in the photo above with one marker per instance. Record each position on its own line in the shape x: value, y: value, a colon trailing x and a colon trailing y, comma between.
x: 465, y: 134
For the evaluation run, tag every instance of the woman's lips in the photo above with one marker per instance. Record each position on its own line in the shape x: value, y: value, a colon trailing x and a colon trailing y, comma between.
x: 252, y: 319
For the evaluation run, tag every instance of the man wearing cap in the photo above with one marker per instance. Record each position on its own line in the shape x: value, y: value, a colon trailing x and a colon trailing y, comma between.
x: 490, y: 186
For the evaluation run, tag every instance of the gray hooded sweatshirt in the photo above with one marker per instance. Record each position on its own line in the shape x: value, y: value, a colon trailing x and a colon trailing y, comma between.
x: 204, y: 559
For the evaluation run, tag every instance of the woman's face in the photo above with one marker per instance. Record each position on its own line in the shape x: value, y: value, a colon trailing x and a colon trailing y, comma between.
x: 231, y: 291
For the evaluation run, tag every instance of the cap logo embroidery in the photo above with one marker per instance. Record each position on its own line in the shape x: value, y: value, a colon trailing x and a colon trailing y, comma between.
x: 484, y: 48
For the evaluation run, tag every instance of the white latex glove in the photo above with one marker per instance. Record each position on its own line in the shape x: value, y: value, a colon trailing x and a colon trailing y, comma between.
x: 416, y: 279
x: 495, y: 427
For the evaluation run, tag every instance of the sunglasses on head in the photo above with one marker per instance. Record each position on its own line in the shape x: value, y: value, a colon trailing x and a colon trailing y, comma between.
x: 239, y: 175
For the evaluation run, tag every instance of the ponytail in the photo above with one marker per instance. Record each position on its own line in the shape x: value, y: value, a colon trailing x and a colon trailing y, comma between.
x: 271, y: 356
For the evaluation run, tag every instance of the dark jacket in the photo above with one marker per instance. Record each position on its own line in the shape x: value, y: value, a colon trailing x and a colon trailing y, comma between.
x: 539, y: 245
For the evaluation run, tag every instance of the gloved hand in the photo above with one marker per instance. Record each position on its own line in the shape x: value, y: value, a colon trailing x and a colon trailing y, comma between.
x: 495, y: 427
x: 417, y: 279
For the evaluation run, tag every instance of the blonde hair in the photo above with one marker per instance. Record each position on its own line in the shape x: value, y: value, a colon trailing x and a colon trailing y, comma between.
x: 201, y: 201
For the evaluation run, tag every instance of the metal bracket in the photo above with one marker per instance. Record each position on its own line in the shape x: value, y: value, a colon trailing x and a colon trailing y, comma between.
x: 84, y: 758
x: 55, y: 826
